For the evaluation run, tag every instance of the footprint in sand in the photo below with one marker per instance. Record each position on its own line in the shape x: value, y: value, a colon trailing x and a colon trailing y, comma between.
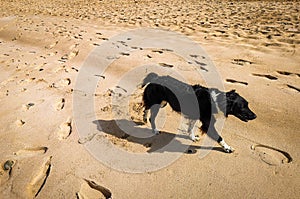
x: 136, y: 48
x: 124, y: 53
x: 52, y: 54
x: 236, y: 82
x: 271, y: 155
x: 91, y: 190
x: 288, y: 73
x: 39, y: 179
x: 65, y: 82
x: 69, y: 56
x: 64, y: 58
x: 123, y: 43
x: 194, y: 56
x: 52, y: 45
x: 201, y: 64
x: 60, y: 104
x: 87, y: 138
x: 75, y: 69
x: 62, y: 83
x: 5, y: 171
x: 106, y: 108
x: 293, y: 87
x: 74, y: 46
x: 103, y: 38
x: 166, y: 65
x: 73, y: 54
x: 60, y: 68
x: 27, y: 106
x: 241, y: 62
x: 65, y: 129
x: 96, y: 44
x: 20, y: 122
x: 270, y: 77
x: 30, y: 79
x: 29, y: 152
x: 158, y: 51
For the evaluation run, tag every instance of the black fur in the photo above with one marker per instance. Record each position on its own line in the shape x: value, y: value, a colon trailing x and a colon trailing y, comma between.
x: 194, y: 101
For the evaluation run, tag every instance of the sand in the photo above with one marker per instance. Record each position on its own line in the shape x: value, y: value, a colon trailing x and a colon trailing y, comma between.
x: 45, y: 45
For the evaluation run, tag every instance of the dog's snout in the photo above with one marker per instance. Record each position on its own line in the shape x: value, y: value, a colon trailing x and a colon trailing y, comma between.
x: 253, y: 116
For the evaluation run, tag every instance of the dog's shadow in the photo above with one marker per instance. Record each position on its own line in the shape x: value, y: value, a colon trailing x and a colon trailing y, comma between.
x: 154, y: 143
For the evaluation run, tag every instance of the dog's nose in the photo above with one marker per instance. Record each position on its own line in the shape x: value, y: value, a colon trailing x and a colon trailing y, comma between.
x: 253, y: 116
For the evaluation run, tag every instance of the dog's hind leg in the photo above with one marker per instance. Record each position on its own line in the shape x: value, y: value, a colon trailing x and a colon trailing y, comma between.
x: 154, y: 112
x: 190, y: 130
x: 145, y: 115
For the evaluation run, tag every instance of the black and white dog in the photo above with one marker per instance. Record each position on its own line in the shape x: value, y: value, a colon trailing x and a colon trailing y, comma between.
x: 194, y: 102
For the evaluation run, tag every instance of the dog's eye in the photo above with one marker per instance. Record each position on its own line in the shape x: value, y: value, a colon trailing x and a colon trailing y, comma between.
x: 241, y: 105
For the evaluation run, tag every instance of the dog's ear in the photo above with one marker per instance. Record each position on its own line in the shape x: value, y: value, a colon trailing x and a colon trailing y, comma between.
x: 230, y: 94
x: 230, y: 97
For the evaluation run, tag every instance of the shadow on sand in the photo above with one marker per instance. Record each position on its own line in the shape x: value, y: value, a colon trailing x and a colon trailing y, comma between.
x: 154, y: 143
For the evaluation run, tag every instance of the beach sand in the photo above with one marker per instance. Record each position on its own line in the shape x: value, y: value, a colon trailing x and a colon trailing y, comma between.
x: 44, y: 45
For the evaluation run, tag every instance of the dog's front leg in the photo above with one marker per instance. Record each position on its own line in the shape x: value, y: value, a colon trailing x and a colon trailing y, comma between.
x: 212, y: 133
x: 225, y: 146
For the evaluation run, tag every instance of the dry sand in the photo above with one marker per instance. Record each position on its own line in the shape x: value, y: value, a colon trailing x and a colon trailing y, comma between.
x: 253, y: 44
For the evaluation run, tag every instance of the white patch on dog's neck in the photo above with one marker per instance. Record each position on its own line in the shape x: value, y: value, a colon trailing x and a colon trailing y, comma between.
x: 214, y: 95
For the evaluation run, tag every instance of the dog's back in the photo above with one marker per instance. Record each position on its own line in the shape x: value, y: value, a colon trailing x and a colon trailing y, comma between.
x: 167, y: 81
x: 179, y: 95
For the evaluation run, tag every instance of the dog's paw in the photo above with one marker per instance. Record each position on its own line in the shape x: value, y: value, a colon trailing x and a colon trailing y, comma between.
x: 155, y: 131
x: 195, y: 138
x: 228, y: 149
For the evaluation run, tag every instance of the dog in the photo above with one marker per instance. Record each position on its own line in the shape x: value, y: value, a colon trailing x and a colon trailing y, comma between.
x: 195, y: 102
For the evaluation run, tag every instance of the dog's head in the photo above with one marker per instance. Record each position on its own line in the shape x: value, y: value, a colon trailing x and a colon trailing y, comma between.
x: 238, y: 106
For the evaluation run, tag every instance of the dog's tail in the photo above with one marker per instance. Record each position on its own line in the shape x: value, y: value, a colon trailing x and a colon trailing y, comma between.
x: 149, y: 79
